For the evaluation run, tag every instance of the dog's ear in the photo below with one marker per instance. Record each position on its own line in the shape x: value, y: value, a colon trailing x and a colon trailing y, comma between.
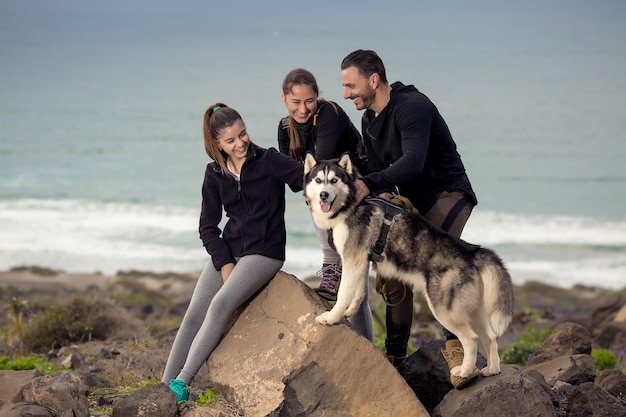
x: 346, y: 163
x: 309, y: 163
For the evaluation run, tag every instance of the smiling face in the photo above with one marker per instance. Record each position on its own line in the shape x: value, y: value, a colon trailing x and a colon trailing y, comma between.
x: 357, y: 87
x: 327, y: 189
x: 301, y: 102
x: 234, y: 141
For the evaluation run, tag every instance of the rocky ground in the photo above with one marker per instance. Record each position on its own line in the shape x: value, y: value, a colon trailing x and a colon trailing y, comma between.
x: 134, y: 354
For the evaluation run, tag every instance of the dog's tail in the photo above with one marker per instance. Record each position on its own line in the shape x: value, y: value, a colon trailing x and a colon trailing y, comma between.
x: 498, y: 289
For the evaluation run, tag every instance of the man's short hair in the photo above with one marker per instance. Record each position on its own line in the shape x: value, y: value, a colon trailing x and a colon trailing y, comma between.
x: 367, y: 62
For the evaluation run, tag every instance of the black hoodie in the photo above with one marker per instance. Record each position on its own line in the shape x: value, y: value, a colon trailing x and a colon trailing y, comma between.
x: 254, y: 205
x: 410, y: 147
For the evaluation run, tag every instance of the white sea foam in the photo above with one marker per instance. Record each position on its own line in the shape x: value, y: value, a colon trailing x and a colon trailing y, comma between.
x: 491, y: 228
x: 79, y: 235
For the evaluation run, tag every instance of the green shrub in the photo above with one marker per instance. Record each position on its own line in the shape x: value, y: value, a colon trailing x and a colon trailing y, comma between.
x: 605, y: 359
x: 518, y: 353
x: 207, y: 398
x: 82, y: 319
x: 26, y: 363
x: 527, y: 343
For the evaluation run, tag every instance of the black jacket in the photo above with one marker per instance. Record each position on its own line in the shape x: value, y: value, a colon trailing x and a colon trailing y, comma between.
x: 254, y: 206
x: 410, y: 147
x: 326, y: 135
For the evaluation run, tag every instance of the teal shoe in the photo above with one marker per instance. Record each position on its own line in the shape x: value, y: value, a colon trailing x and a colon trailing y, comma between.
x: 179, y: 388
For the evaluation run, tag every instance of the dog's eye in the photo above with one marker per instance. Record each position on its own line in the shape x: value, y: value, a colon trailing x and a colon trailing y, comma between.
x: 333, y: 181
x: 318, y: 181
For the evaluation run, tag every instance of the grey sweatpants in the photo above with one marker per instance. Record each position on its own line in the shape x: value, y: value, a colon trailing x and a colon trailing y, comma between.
x: 212, y: 304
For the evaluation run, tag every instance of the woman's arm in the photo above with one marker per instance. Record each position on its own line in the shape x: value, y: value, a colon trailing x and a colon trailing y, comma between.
x: 287, y: 170
x: 210, y: 217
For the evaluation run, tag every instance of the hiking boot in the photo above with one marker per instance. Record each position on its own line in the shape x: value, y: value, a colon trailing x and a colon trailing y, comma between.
x: 453, y: 354
x: 179, y: 387
x: 396, y: 360
x: 331, y: 276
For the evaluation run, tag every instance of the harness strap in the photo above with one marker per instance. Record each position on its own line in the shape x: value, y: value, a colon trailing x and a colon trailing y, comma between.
x: 453, y: 214
x: 379, y: 246
x: 391, y: 211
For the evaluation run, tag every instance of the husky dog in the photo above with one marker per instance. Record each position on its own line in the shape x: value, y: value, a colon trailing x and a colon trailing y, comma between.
x: 467, y: 287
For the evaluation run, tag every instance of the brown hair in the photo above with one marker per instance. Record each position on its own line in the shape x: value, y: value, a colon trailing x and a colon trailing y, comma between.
x: 366, y: 62
x: 298, y: 76
x: 217, y: 118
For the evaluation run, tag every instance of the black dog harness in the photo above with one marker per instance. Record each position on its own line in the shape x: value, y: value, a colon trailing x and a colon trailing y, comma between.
x: 390, y: 210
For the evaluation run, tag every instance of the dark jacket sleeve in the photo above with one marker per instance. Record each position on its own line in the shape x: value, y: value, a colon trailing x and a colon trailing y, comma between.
x: 412, y: 122
x: 331, y: 129
x: 283, y: 138
x: 287, y: 169
x: 210, y: 217
x: 374, y: 166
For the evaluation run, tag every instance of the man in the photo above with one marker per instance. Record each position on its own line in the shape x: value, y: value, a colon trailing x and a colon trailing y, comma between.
x: 410, y: 152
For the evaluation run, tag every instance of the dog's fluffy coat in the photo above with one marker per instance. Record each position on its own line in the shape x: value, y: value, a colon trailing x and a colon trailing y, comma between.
x: 467, y: 287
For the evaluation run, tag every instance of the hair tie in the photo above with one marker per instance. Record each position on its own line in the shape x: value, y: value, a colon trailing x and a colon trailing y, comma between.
x: 216, y: 108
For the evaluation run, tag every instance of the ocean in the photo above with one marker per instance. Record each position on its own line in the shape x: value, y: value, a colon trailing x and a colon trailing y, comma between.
x: 101, y: 154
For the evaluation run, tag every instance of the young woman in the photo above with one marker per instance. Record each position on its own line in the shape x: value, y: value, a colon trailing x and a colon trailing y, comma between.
x: 248, y: 183
x: 321, y: 127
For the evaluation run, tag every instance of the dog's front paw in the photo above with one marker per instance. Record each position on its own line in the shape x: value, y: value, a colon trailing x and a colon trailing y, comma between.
x: 489, y: 371
x: 351, y: 310
x: 327, y: 318
x: 463, y: 373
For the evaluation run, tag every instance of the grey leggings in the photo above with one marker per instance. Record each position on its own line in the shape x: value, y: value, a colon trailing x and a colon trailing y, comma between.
x: 329, y: 255
x: 212, y: 304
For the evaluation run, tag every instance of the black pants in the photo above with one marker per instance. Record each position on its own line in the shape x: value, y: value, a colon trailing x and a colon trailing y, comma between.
x: 450, y: 212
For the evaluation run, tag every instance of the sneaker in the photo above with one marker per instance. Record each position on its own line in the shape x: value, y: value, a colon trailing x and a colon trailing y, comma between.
x: 454, y: 357
x: 179, y: 387
x: 331, y: 276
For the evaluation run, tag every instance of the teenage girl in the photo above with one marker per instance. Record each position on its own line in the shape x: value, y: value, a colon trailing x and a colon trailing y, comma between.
x: 321, y: 127
x: 247, y: 182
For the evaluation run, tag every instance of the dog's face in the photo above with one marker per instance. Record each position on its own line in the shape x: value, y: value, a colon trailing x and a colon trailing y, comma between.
x: 327, y: 184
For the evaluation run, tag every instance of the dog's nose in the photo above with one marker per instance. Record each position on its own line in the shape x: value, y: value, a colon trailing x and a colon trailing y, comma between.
x: 323, y: 195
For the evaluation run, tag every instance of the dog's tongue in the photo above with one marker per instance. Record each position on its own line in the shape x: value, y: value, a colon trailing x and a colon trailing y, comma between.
x: 325, y: 205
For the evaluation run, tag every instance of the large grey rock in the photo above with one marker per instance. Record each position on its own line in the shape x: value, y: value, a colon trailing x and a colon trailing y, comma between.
x: 155, y: 401
x: 607, y: 312
x: 566, y: 339
x: 620, y: 316
x: 427, y: 373
x: 611, y: 335
x: 613, y: 381
x: 26, y: 409
x: 512, y: 393
x: 277, y: 361
x: 64, y: 392
x: 574, y: 370
x: 11, y: 382
x: 589, y: 400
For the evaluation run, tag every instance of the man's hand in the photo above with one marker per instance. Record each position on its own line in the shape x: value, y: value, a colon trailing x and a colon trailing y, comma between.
x: 362, y: 190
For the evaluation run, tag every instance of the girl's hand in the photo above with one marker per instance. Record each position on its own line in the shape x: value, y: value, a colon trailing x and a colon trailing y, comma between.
x: 226, y: 271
